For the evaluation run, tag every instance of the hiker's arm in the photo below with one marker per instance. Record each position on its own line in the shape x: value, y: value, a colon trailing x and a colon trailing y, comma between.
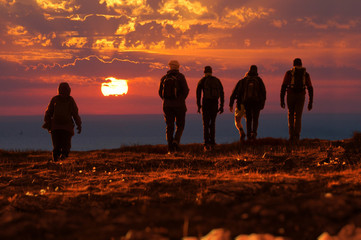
x: 221, y: 94
x: 264, y: 93
x: 75, y: 115
x: 263, y: 90
x: 240, y: 91
x: 233, y: 95
x: 199, y: 93
x: 286, y: 82
x: 161, y: 88
x: 49, y: 111
x: 48, y: 114
x: 310, y: 91
x: 185, y: 88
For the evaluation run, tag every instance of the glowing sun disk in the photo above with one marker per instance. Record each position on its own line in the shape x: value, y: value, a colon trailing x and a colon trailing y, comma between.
x: 114, y: 87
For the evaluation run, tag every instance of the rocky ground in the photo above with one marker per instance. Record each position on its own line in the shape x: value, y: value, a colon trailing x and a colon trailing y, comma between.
x: 293, y: 191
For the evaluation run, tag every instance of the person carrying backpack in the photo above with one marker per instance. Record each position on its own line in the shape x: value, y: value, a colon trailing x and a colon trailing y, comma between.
x: 173, y: 90
x: 59, y: 119
x: 295, y: 83
x: 252, y: 94
x: 212, y: 91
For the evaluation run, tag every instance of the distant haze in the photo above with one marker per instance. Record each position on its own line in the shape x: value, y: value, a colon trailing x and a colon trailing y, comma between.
x: 113, y: 131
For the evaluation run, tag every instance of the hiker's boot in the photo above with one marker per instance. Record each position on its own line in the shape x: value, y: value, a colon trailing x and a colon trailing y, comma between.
x: 206, y: 148
x: 242, y: 136
x: 296, y: 138
x: 56, y: 156
x: 170, y: 148
x: 176, y: 147
x: 64, y: 155
x: 254, y: 135
x: 250, y: 137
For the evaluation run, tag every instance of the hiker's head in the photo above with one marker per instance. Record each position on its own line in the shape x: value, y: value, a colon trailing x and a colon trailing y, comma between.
x: 208, y: 70
x: 173, y: 65
x: 297, y: 62
x: 64, y: 89
x: 253, y: 70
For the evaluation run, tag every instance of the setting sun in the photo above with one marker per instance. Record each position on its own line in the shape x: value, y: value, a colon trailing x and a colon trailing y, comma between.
x: 114, y: 87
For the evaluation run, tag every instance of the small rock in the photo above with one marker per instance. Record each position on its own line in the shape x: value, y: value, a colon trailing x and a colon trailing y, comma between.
x: 258, y: 237
x: 289, y: 164
x: 325, y: 161
x: 218, y: 234
x: 143, y: 235
x: 348, y: 232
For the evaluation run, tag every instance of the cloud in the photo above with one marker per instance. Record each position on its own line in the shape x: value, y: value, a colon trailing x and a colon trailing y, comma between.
x: 16, y: 30
x: 57, y: 6
x: 75, y: 42
x: 332, y: 23
x: 182, y: 8
x: 84, y: 41
x: 131, y: 7
x: 241, y: 16
x: 123, y: 25
x: 279, y: 23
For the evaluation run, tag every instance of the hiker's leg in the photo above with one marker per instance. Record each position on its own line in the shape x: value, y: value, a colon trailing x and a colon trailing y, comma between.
x: 206, y: 124
x: 256, y: 112
x: 66, y: 144
x: 291, y: 104
x: 249, y: 119
x: 180, y: 123
x: 169, y: 118
x: 238, y: 114
x: 298, y: 114
x: 56, y: 140
x: 213, y: 116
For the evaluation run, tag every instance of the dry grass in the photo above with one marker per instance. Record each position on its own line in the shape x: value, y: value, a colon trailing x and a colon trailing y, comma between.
x: 271, y: 186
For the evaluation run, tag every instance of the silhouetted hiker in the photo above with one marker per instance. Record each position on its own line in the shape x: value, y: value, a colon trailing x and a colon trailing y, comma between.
x: 251, y: 92
x: 295, y: 82
x: 173, y: 90
x: 212, y: 91
x: 59, y: 120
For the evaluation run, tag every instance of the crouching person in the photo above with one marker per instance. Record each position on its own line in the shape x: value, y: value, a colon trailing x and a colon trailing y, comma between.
x: 59, y: 120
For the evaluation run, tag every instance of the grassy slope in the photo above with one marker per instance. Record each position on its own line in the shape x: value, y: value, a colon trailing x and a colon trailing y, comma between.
x: 267, y: 187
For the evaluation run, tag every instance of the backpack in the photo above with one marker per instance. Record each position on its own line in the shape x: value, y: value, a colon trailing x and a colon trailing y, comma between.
x: 62, y: 111
x: 298, y: 79
x: 211, y: 88
x: 170, y: 87
x: 251, y: 92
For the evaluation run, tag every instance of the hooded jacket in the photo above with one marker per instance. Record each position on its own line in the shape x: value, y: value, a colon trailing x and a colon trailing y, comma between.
x: 62, y: 111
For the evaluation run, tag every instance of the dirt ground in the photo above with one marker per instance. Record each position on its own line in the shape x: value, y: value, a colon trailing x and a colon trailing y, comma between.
x: 141, y: 192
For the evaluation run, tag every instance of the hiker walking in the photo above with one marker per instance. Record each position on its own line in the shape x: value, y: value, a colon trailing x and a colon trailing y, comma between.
x: 295, y: 83
x: 59, y: 119
x: 212, y: 91
x: 252, y: 94
x: 173, y: 90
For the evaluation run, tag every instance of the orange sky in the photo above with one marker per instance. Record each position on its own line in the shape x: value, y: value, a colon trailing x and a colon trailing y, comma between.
x: 83, y: 42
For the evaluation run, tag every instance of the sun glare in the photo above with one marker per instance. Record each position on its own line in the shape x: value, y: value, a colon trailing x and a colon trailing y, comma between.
x: 114, y: 87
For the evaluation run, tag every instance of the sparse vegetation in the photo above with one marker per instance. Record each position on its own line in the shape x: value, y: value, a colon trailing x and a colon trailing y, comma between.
x: 296, y: 191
